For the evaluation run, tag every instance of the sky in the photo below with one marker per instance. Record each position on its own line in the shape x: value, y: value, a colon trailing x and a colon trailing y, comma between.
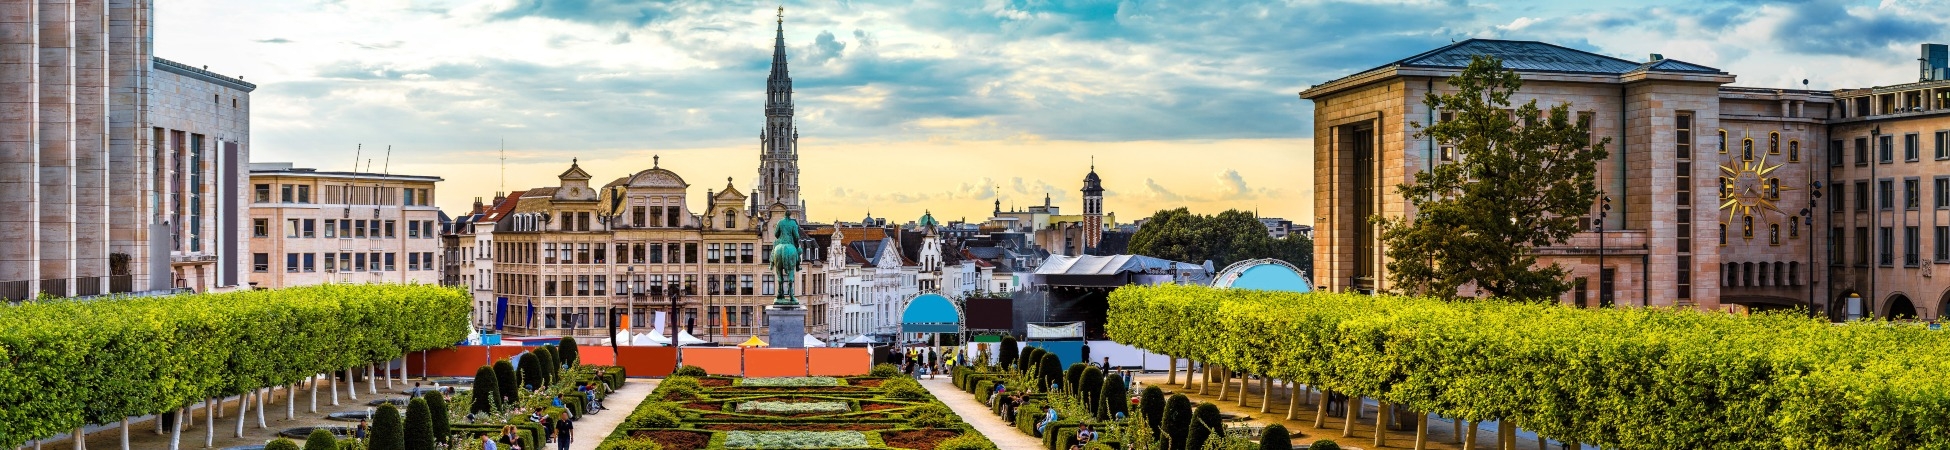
x: 943, y: 106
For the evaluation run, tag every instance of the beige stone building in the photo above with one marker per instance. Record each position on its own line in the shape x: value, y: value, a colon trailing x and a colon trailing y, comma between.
x: 85, y: 98
x: 575, y: 256
x: 311, y: 227
x: 1889, y: 166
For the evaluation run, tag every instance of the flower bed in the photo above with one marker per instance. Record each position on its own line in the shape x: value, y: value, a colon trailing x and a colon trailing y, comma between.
x: 694, y: 414
x: 795, y: 439
x: 793, y: 407
x: 789, y: 381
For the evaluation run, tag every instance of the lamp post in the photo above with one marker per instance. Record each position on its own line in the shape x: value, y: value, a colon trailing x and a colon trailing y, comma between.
x: 675, y: 296
x: 1604, y: 209
x: 1808, y: 219
x: 710, y: 295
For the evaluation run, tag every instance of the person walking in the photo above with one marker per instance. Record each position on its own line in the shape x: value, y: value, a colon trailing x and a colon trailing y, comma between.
x: 564, y: 429
x: 932, y: 367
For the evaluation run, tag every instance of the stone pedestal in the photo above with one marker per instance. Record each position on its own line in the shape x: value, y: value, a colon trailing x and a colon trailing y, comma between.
x: 788, y: 326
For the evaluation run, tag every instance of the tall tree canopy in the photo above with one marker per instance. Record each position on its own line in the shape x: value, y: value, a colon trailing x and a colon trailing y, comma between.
x: 1523, y: 179
x: 1230, y: 236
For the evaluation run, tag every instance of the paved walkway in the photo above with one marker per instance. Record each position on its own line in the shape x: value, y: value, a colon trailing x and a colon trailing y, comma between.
x: 973, y: 411
x: 591, y: 429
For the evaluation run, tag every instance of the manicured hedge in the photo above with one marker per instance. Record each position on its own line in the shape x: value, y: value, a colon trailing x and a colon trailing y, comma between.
x: 129, y: 357
x: 1619, y: 378
x: 530, y: 432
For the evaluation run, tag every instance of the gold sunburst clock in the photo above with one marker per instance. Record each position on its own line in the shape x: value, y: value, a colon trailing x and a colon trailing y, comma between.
x: 1749, y: 188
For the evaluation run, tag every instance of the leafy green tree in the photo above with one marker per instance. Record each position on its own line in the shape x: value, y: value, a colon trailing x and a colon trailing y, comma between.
x: 1275, y: 437
x: 1178, y: 421
x: 1205, y: 424
x: 1152, y: 404
x: 437, y: 407
x: 1226, y: 238
x: 418, y: 428
x: 485, y: 391
x: 569, y: 352
x: 507, y: 382
x: 1522, y: 182
x: 386, y: 432
x: 321, y: 439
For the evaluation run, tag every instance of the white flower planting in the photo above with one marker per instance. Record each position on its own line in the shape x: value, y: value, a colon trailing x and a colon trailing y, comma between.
x: 793, y: 407
x: 795, y: 439
x: 790, y: 382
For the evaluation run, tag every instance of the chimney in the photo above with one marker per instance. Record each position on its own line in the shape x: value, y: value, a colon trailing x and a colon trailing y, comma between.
x: 477, y: 205
x: 1935, y: 62
x: 499, y: 197
x: 1658, y: 57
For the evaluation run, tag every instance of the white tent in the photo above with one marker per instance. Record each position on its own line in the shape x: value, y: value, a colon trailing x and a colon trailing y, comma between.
x: 859, y: 339
x: 650, y: 339
x: 812, y: 342
x: 688, y: 339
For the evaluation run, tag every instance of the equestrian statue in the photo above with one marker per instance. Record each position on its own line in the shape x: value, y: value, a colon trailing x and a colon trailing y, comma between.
x: 785, y: 260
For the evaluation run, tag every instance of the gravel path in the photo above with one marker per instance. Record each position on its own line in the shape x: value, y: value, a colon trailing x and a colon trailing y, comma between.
x: 973, y: 411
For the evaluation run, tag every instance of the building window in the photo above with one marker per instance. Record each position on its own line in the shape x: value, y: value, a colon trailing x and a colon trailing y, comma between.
x: 1747, y: 149
x: 311, y: 262
x: 1885, y: 149
x: 413, y: 229
x: 1747, y: 227
x: 1943, y: 145
x: 262, y: 192
x: 260, y: 227
x: 311, y: 228
x: 1942, y: 185
x: 1886, y: 194
x: 1861, y: 196
x: 730, y: 219
x: 1835, y: 246
x: 711, y: 255
x: 1773, y: 142
x: 1773, y: 189
x: 1861, y: 246
x: 389, y: 262
x: 291, y: 262
x: 388, y: 226
x: 745, y: 285
x: 1861, y: 151
x: 286, y: 194
x: 1723, y: 141
x: 1839, y: 201
x: 1835, y: 150
x: 1910, y: 147
x: 1794, y: 151
x: 745, y: 253
x: 1911, y: 245
x: 1774, y: 234
x: 1911, y: 193
x: 1943, y: 243
x: 1794, y: 227
x: 293, y: 227
x: 1886, y: 246
x: 261, y: 262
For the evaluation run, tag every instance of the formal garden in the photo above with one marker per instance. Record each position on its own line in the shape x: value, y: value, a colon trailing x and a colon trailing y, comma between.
x: 693, y: 410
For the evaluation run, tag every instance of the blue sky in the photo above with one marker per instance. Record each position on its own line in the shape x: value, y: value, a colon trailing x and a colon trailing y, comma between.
x: 939, y: 105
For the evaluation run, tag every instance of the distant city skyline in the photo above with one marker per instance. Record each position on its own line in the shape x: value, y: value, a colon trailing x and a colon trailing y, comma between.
x: 912, y: 106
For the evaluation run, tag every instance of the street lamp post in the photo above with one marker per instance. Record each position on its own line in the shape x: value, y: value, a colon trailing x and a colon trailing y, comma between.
x: 675, y: 296
x: 1808, y: 219
x: 709, y: 295
x: 1604, y: 209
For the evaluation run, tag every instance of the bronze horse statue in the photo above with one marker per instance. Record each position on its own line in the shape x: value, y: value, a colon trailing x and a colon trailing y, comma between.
x: 785, y: 259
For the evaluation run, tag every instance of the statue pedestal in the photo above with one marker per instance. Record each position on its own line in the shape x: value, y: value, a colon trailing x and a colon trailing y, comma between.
x: 788, y: 326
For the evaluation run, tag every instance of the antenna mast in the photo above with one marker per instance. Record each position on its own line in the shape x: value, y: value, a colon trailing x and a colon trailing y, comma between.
x: 355, y: 157
x: 504, y: 164
x: 387, y: 168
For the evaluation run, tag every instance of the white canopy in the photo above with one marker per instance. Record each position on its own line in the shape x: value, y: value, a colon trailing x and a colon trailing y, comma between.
x: 686, y: 338
x: 859, y: 339
x: 814, y: 342
x: 650, y: 339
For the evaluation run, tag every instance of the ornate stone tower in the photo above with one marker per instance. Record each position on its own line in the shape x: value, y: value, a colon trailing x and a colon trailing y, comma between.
x: 1093, y: 211
x: 778, y: 156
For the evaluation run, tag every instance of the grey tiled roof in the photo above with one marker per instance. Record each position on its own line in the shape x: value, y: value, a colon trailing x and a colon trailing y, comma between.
x: 1674, y: 65
x: 1533, y: 56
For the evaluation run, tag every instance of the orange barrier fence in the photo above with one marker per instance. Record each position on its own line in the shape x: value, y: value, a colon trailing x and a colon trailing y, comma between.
x: 661, y: 361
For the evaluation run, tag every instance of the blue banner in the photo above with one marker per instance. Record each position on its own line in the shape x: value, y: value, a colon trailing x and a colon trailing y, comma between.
x: 500, y: 313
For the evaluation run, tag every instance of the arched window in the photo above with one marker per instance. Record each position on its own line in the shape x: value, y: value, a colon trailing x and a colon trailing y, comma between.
x: 1794, y: 273
x: 1747, y: 274
x: 1774, y: 143
x: 731, y: 218
x: 1747, y: 149
x: 1780, y: 274
x: 1733, y: 275
x: 1794, y: 151
x: 1760, y: 275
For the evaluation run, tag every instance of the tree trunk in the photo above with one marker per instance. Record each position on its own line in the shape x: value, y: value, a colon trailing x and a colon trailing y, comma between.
x: 1224, y: 378
x: 1266, y: 393
x: 1171, y: 372
x: 210, y: 423
x: 1204, y: 378
x: 125, y: 433
x: 1422, y: 431
x: 389, y: 374
x: 352, y: 382
x: 1541, y: 443
x: 80, y: 439
x: 176, y: 428
x: 1469, y: 436
x: 314, y: 392
x: 1503, y: 440
x: 291, y: 401
x: 243, y: 409
x: 259, y: 395
x: 1457, y: 424
x: 1353, y: 415
x: 1381, y: 424
x: 372, y: 371
x: 1320, y: 413
x: 1293, y: 400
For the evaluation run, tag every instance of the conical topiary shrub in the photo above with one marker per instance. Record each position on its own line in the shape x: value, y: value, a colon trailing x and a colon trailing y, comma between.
x: 321, y: 439
x: 280, y: 444
x: 437, y: 408
x: 1324, y: 444
x: 1071, y: 376
x: 546, y: 356
x: 531, y: 372
x: 1052, y: 372
x: 507, y: 380
x: 1177, y: 421
x: 1090, y: 388
x: 1006, y: 357
x: 1114, y: 398
x: 485, y: 391
x: 418, y: 427
x: 386, y: 432
x: 1029, y: 360
x: 1152, y: 404
x: 1205, y: 425
x: 1275, y: 438
x: 569, y: 353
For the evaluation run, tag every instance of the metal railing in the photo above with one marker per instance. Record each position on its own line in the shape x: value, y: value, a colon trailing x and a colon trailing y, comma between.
x: 121, y: 284
x: 15, y: 290
x: 57, y: 287
x: 87, y: 286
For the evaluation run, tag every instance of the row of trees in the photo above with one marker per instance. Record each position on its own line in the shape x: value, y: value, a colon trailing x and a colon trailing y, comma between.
x: 1226, y: 238
x: 71, y: 363
x: 1619, y: 378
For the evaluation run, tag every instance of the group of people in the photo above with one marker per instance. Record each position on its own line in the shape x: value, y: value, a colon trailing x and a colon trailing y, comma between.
x: 1085, y: 435
x: 558, y: 431
x: 917, y: 361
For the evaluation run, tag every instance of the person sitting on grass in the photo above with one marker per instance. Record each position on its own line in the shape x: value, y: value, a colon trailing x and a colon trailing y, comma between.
x: 1049, y: 417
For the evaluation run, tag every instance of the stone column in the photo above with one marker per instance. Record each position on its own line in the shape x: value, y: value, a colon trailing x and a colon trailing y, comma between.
x: 57, y: 168
x: 19, y: 148
x: 130, y: 190
x: 91, y: 144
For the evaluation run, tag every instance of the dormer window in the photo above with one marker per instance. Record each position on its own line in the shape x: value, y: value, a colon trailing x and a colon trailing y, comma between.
x: 730, y: 218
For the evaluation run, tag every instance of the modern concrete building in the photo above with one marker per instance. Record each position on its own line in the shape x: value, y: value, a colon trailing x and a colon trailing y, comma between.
x: 311, y: 227
x: 1711, y: 185
x: 83, y: 98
